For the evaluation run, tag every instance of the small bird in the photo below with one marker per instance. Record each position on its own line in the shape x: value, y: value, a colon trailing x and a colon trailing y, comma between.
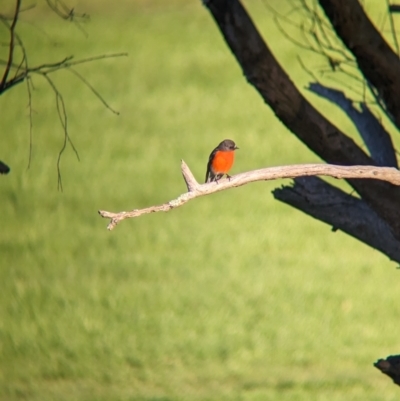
x: 221, y: 160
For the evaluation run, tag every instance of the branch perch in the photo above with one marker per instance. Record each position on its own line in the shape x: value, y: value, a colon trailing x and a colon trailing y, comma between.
x: 195, y: 190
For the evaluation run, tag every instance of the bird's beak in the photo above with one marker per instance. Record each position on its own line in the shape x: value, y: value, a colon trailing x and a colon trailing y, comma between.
x: 236, y: 147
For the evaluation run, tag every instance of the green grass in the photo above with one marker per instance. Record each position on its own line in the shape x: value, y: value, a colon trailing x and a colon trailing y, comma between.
x: 231, y: 297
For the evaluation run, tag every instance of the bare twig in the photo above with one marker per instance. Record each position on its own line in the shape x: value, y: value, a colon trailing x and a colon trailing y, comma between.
x: 195, y: 190
x: 29, y: 91
x: 66, y: 63
x: 63, y: 11
x: 94, y: 91
x: 63, y: 117
x: 11, y: 45
x: 17, y: 70
x: 11, y: 16
x: 52, y: 67
x: 67, y: 13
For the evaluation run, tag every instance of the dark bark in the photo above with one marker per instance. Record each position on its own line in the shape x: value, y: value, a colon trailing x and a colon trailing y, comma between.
x: 394, y: 8
x: 391, y: 367
x: 264, y: 72
x: 379, y: 64
x: 344, y: 212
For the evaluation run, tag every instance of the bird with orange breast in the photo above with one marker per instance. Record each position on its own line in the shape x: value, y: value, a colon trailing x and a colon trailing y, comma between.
x: 221, y: 161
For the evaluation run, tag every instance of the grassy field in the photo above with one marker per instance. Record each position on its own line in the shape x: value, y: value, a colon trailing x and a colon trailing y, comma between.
x: 231, y: 297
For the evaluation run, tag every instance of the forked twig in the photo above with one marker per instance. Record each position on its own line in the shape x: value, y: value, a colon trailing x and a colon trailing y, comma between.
x: 195, y: 190
x: 11, y: 45
x: 16, y: 72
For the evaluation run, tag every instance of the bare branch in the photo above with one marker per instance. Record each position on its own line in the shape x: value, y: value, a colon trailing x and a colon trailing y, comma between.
x: 66, y: 63
x: 11, y: 45
x: 195, y: 190
x: 342, y: 211
x: 28, y: 88
x: 62, y: 115
x: 10, y: 17
x: 94, y: 91
x: 64, y: 11
x: 49, y: 67
x: 68, y: 14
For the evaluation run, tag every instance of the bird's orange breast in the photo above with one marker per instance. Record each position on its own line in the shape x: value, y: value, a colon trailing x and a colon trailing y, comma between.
x: 222, y: 161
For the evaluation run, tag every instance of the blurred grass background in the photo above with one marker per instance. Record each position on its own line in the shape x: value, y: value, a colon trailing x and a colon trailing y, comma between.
x: 231, y: 297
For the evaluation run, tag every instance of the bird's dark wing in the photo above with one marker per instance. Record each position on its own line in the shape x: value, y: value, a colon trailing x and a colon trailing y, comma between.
x: 209, y: 174
x: 4, y: 169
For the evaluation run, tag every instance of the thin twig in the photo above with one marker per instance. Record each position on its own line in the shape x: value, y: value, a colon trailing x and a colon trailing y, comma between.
x: 22, y: 71
x: 62, y: 115
x: 66, y: 64
x: 195, y: 190
x: 28, y: 87
x: 53, y: 67
x: 11, y: 45
x: 94, y: 91
x: 21, y: 10
x: 23, y: 65
x: 68, y: 14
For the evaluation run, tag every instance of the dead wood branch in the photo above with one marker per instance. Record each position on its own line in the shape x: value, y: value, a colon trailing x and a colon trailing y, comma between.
x: 195, y: 190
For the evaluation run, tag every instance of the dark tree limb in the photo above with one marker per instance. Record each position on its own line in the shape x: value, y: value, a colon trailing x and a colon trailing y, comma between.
x: 394, y: 8
x: 379, y: 64
x: 264, y: 72
x: 390, y: 367
x: 344, y: 212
